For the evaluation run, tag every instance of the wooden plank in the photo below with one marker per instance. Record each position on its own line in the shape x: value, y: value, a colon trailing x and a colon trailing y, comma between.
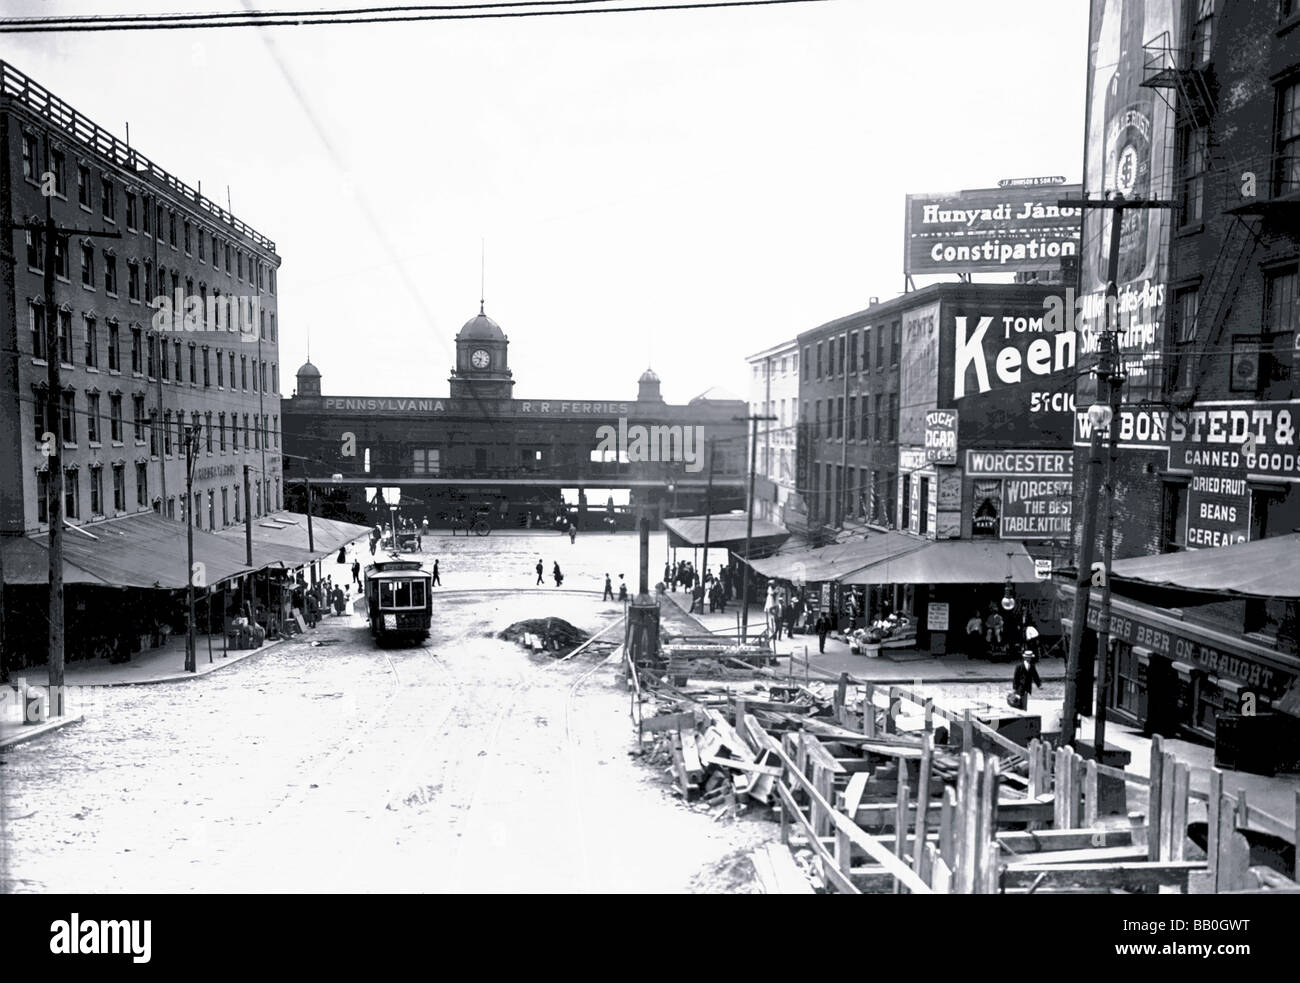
x: 732, y: 739
x: 1167, y: 774
x: 900, y: 818
x: 853, y: 794
x: 761, y: 738
x: 816, y: 752
x: 1154, y: 800
x: 780, y: 874
x: 1236, y: 863
x: 826, y: 789
x: 668, y: 721
x: 745, y: 766
x: 941, y: 877
x: 922, y: 801
x: 1178, y: 821
x: 1087, y: 854
x: 891, y: 713
x: 1017, y: 843
x: 1215, y: 804
x: 690, y: 753
x: 971, y: 832
x: 967, y: 730
x: 1058, y: 788
x: 831, y: 873
x: 961, y: 817
x: 947, y: 826
x: 1123, y: 876
x: 987, y: 859
x: 1001, y: 740
x: 1090, y: 793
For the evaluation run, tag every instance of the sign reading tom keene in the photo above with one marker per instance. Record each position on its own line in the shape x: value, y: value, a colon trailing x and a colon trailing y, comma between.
x: 986, y: 230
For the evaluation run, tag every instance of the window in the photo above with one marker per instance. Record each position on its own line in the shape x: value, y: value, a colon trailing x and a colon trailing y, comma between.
x: 108, y: 202
x: 237, y: 501
x: 92, y: 342
x: 42, y: 496
x: 275, y: 378
x: 132, y: 279
x: 132, y: 214
x: 427, y: 460
x: 141, y: 484
x: 137, y: 403
x: 256, y: 367
x: 178, y: 359
x: 119, y: 487
x: 166, y: 370
x: 895, y: 342
x: 92, y: 417
x: 239, y: 264
x: 923, y: 509
x: 243, y: 372
x: 891, y: 435
x: 1202, y: 32
x: 1281, y: 328
x: 1288, y: 139
x: 273, y: 335
x: 85, y: 197
x: 30, y: 153
x: 270, y: 275
x: 260, y: 270
x: 227, y: 247
x: 232, y: 370
x: 853, y: 351
x: 40, y: 418
x: 110, y: 274
x: 819, y: 360
x: 137, y: 354
x: 159, y: 231
x: 262, y: 370
x: 201, y: 234
x: 221, y: 370
x: 68, y: 411
x: 35, y: 250
x: 114, y: 347
x: 1173, y: 516
x: 167, y: 433
x: 194, y: 367
x: 65, y: 338
x: 148, y: 275
x: 207, y: 373
x: 275, y: 428
x: 96, y: 490
x: 880, y: 346
x: 817, y: 419
x: 221, y: 428
x: 212, y: 509
x: 1192, y: 196
x: 839, y: 418
x: 207, y: 431
x: 57, y: 168
x: 88, y: 266
x: 225, y: 506
x: 115, y: 418
x: 234, y: 431
x: 187, y: 237
x: 866, y: 418
x: 36, y: 318
x: 72, y: 493
x: 171, y: 227
x: 60, y: 258
x: 905, y: 504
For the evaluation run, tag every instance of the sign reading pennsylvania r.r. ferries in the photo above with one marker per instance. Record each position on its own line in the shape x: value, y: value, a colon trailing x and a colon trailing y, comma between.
x: 399, y: 404
x: 1257, y: 438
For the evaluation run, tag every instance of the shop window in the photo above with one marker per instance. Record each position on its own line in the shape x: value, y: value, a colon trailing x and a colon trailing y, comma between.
x: 1173, y: 524
x: 1127, y: 681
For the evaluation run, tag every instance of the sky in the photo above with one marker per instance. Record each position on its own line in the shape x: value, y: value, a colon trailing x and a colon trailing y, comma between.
x: 676, y: 189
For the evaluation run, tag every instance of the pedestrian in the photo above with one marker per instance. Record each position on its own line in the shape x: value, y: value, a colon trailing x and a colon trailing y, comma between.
x: 555, y: 572
x: 609, y: 590
x: 668, y: 574
x: 356, y: 572
x: 343, y: 555
x: 975, y: 647
x: 437, y: 580
x: 1022, y: 683
x: 540, y: 568
x: 573, y: 534
x: 823, y: 629
x: 340, y: 603
x: 697, y: 599
x: 622, y: 588
x: 313, y: 608
x: 769, y: 606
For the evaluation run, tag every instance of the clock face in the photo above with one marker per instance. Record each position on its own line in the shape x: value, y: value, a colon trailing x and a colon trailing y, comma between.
x: 480, y: 359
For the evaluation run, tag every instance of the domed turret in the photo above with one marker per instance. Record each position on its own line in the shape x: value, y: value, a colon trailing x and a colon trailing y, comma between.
x: 647, y: 390
x: 308, y: 379
x: 482, y: 366
x: 481, y: 328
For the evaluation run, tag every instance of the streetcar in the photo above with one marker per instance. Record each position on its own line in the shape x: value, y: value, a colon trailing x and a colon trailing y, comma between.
x: 399, y: 599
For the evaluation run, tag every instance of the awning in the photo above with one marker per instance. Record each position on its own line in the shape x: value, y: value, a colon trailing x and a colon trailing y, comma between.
x: 837, y: 560
x: 726, y: 530
x: 1265, y: 568
x: 144, y: 550
x: 951, y: 561
x: 282, y: 537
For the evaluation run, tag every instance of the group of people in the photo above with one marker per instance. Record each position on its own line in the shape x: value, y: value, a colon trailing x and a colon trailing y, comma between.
x: 555, y: 572
x: 609, y: 589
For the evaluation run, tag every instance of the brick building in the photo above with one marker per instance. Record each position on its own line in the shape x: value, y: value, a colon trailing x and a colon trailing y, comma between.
x: 774, y: 392
x: 1208, y: 451
x: 135, y: 371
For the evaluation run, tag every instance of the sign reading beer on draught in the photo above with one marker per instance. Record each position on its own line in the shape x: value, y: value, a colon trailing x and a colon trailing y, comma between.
x: 990, y: 230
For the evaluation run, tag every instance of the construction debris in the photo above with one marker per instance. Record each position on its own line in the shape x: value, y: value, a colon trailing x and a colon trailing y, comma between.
x: 553, y: 635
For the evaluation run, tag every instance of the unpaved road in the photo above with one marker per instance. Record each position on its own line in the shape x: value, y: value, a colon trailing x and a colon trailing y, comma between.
x: 465, y: 764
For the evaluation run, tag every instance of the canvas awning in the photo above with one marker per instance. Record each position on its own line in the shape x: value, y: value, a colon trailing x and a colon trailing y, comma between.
x: 144, y: 550
x: 837, y: 560
x: 950, y: 561
x: 726, y: 530
x: 282, y: 536
x: 1264, y: 568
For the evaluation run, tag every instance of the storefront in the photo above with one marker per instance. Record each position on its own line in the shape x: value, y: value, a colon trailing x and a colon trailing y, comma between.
x: 1173, y: 677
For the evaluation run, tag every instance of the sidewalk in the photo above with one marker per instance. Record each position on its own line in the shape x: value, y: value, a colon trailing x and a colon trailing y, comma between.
x: 891, y: 667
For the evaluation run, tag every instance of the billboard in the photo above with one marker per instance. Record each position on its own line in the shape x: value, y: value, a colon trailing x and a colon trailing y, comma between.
x: 941, y: 436
x: 990, y: 230
x: 1128, y: 151
x: 1033, y: 498
x: 918, y: 371
x: 1013, y: 372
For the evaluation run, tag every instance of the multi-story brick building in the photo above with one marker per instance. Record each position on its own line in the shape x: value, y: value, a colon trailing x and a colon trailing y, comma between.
x: 1207, y: 442
x: 847, y: 455
x: 774, y: 392
x: 135, y: 370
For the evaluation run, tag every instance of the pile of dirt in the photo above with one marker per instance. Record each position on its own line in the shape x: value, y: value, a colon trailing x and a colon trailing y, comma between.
x: 553, y: 635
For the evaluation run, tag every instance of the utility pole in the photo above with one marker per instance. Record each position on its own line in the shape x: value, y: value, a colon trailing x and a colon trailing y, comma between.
x: 191, y: 515
x: 753, y: 420
x: 248, y: 519
x: 1108, y: 374
x: 708, y: 508
x: 51, y: 235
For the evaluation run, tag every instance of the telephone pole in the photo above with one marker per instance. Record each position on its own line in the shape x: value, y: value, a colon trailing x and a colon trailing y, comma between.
x: 53, y: 443
x: 1110, y: 374
x: 708, y: 508
x: 753, y: 420
x: 191, y: 516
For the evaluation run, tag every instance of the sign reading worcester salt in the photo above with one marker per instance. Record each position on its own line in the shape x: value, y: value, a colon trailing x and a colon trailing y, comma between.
x: 991, y: 230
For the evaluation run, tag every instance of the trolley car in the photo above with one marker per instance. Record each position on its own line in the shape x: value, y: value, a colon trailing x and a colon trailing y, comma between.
x: 399, y: 599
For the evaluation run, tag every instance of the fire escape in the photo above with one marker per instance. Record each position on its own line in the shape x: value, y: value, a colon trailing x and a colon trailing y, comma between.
x: 1247, y: 192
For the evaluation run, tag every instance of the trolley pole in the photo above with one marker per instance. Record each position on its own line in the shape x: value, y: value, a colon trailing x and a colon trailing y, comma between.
x: 191, y: 516
x: 248, y: 519
x: 753, y: 420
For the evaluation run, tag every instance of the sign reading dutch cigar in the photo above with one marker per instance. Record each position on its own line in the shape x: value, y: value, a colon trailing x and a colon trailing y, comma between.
x: 941, y: 436
x: 1036, y: 489
x: 991, y: 230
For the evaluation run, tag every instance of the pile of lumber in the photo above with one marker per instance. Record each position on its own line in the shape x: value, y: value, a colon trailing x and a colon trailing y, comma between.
x: 710, y: 761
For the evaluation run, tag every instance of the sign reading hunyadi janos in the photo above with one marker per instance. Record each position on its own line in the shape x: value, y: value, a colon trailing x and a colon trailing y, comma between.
x: 991, y: 230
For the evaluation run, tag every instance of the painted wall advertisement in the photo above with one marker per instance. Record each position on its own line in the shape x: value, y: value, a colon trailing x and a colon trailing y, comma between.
x: 1128, y: 151
x: 1013, y: 371
x: 947, y: 519
x: 990, y: 230
x: 918, y: 372
x: 1035, y: 492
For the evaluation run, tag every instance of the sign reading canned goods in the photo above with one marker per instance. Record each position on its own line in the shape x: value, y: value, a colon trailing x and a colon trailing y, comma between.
x: 941, y: 436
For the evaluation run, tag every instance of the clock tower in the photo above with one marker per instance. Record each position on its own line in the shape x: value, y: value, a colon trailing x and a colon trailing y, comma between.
x: 482, y: 369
